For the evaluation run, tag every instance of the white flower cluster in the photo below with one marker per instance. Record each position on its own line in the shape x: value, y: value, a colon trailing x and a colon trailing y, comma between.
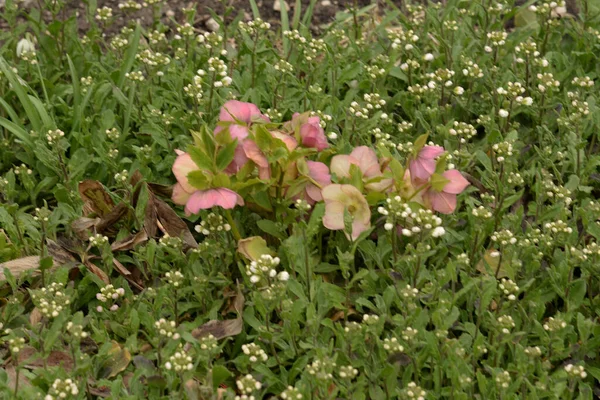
x: 186, y: 30
x: 219, y: 70
x: 509, y: 288
x: 153, y: 59
x: 98, y: 240
x: 175, y: 278
x: 122, y: 176
x: 16, y: 344
x: 503, y: 379
x: 171, y: 242
x: 130, y: 6
x: 156, y: 37
x: 303, y: 205
x: 503, y: 150
x: 104, y: 14
x: 321, y: 369
x: 211, y: 40
x: 51, y: 300
x: 504, y: 237
x: 264, y: 270
x: 194, y: 89
x: 53, y: 136
x: 463, y: 130
x: 248, y: 385
x: 558, y: 226
x: 506, y: 323
x: 291, y: 393
x: 471, y: 69
x: 212, y: 224
x: 284, y: 67
x: 533, y: 351
x: 347, y: 372
x: 86, y: 82
x: 413, y: 391
x: 180, y: 362
x: 547, y: 82
x: 118, y: 42
x: 481, y: 212
x: 254, y: 27
x: 592, y: 248
x: 554, y: 324
x: 76, y: 330
x: 528, y: 48
x: 442, y: 76
x: 409, y: 64
x: 382, y: 139
x: 112, y: 134
x: 208, y: 342
x: 358, y: 111
x: 403, y: 39
x: 108, y: 294
x: 547, y: 6
x: 135, y: 76
x: 62, y: 389
x: 392, y: 345
x: 254, y: 352
x: 414, y: 222
x: 42, y: 214
x: 167, y: 329
x: 575, y: 371
x: 585, y: 82
x: 409, y: 334
x: 375, y: 71
x: 497, y: 38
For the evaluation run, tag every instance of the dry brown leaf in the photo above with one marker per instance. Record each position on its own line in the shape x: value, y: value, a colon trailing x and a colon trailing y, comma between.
x: 120, y: 267
x: 117, y: 361
x: 129, y: 242
x: 219, y: 329
x: 173, y: 224
x: 97, y: 271
x: 35, y: 317
x: 30, y: 358
x: 235, y: 301
x: 118, y: 212
x: 11, y: 372
x: 192, y: 389
x: 83, y: 226
x: 20, y: 265
x: 96, y: 199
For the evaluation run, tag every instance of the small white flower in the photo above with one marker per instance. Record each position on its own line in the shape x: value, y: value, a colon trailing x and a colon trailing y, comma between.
x: 438, y: 231
x: 503, y: 113
x: 428, y: 57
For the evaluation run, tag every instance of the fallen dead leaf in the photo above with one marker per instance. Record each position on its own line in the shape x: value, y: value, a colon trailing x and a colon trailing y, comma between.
x: 21, y: 265
x: 97, y: 271
x: 117, y: 361
x: 130, y: 241
x: 96, y: 199
x: 35, y: 317
x: 173, y: 224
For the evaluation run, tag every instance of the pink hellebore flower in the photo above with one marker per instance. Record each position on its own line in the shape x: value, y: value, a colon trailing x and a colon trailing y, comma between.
x: 319, y: 172
x: 240, y: 115
x: 366, y: 160
x: 313, y: 135
x: 194, y: 199
x: 424, y: 165
x: 253, y: 152
x: 205, y: 199
x: 339, y: 198
x: 445, y: 201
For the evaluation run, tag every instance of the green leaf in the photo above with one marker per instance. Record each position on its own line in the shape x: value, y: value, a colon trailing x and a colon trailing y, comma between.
x: 438, y: 182
x: 219, y: 375
x: 201, y: 159
x: 271, y: 228
x: 30, y: 110
x: 225, y: 155
x: 420, y: 142
x: 129, y: 57
x: 142, y: 203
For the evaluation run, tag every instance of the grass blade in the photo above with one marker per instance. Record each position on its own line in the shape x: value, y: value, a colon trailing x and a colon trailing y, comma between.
x: 297, y: 13
x: 306, y: 20
x: 129, y: 56
x: 47, y: 121
x: 17, y: 130
x: 285, y: 26
x: 19, y: 90
x: 254, y: 7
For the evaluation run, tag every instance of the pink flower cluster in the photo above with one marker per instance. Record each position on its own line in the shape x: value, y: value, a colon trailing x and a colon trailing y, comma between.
x: 344, y: 185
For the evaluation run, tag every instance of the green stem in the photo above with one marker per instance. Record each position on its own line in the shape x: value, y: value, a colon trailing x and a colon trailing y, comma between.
x: 234, y: 229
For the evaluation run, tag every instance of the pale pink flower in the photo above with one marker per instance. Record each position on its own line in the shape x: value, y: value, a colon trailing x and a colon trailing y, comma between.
x: 366, y: 160
x: 238, y: 116
x: 205, y: 199
x: 340, y: 198
x: 313, y: 135
x: 444, y: 201
x: 319, y: 172
x: 182, y: 166
x: 424, y: 165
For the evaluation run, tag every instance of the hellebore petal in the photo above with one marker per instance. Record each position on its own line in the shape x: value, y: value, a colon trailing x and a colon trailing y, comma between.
x: 239, y: 111
x: 457, y: 182
x: 313, y: 136
x: 179, y: 196
x: 442, y: 202
x: 205, y: 199
x: 320, y: 174
x: 182, y: 166
x: 424, y: 165
x: 290, y: 142
x: 367, y: 161
x: 340, y: 198
x: 340, y: 165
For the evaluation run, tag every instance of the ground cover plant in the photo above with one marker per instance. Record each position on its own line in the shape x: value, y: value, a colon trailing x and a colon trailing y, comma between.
x: 398, y: 205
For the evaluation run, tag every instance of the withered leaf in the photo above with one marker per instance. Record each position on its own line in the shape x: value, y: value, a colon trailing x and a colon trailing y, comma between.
x: 173, y: 224
x: 117, y: 361
x: 129, y: 242
x: 400, y: 358
x: 97, y: 271
x: 219, y: 329
x: 96, y: 199
x: 120, y: 267
x: 21, y: 265
x: 84, y: 226
x: 35, y: 317
x: 235, y: 299
x: 30, y: 358
x: 118, y: 212
x: 192, y: 389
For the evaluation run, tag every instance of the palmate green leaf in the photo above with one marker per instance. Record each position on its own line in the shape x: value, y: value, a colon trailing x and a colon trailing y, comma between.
x: 225, y: 155
x: 201, y: 159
